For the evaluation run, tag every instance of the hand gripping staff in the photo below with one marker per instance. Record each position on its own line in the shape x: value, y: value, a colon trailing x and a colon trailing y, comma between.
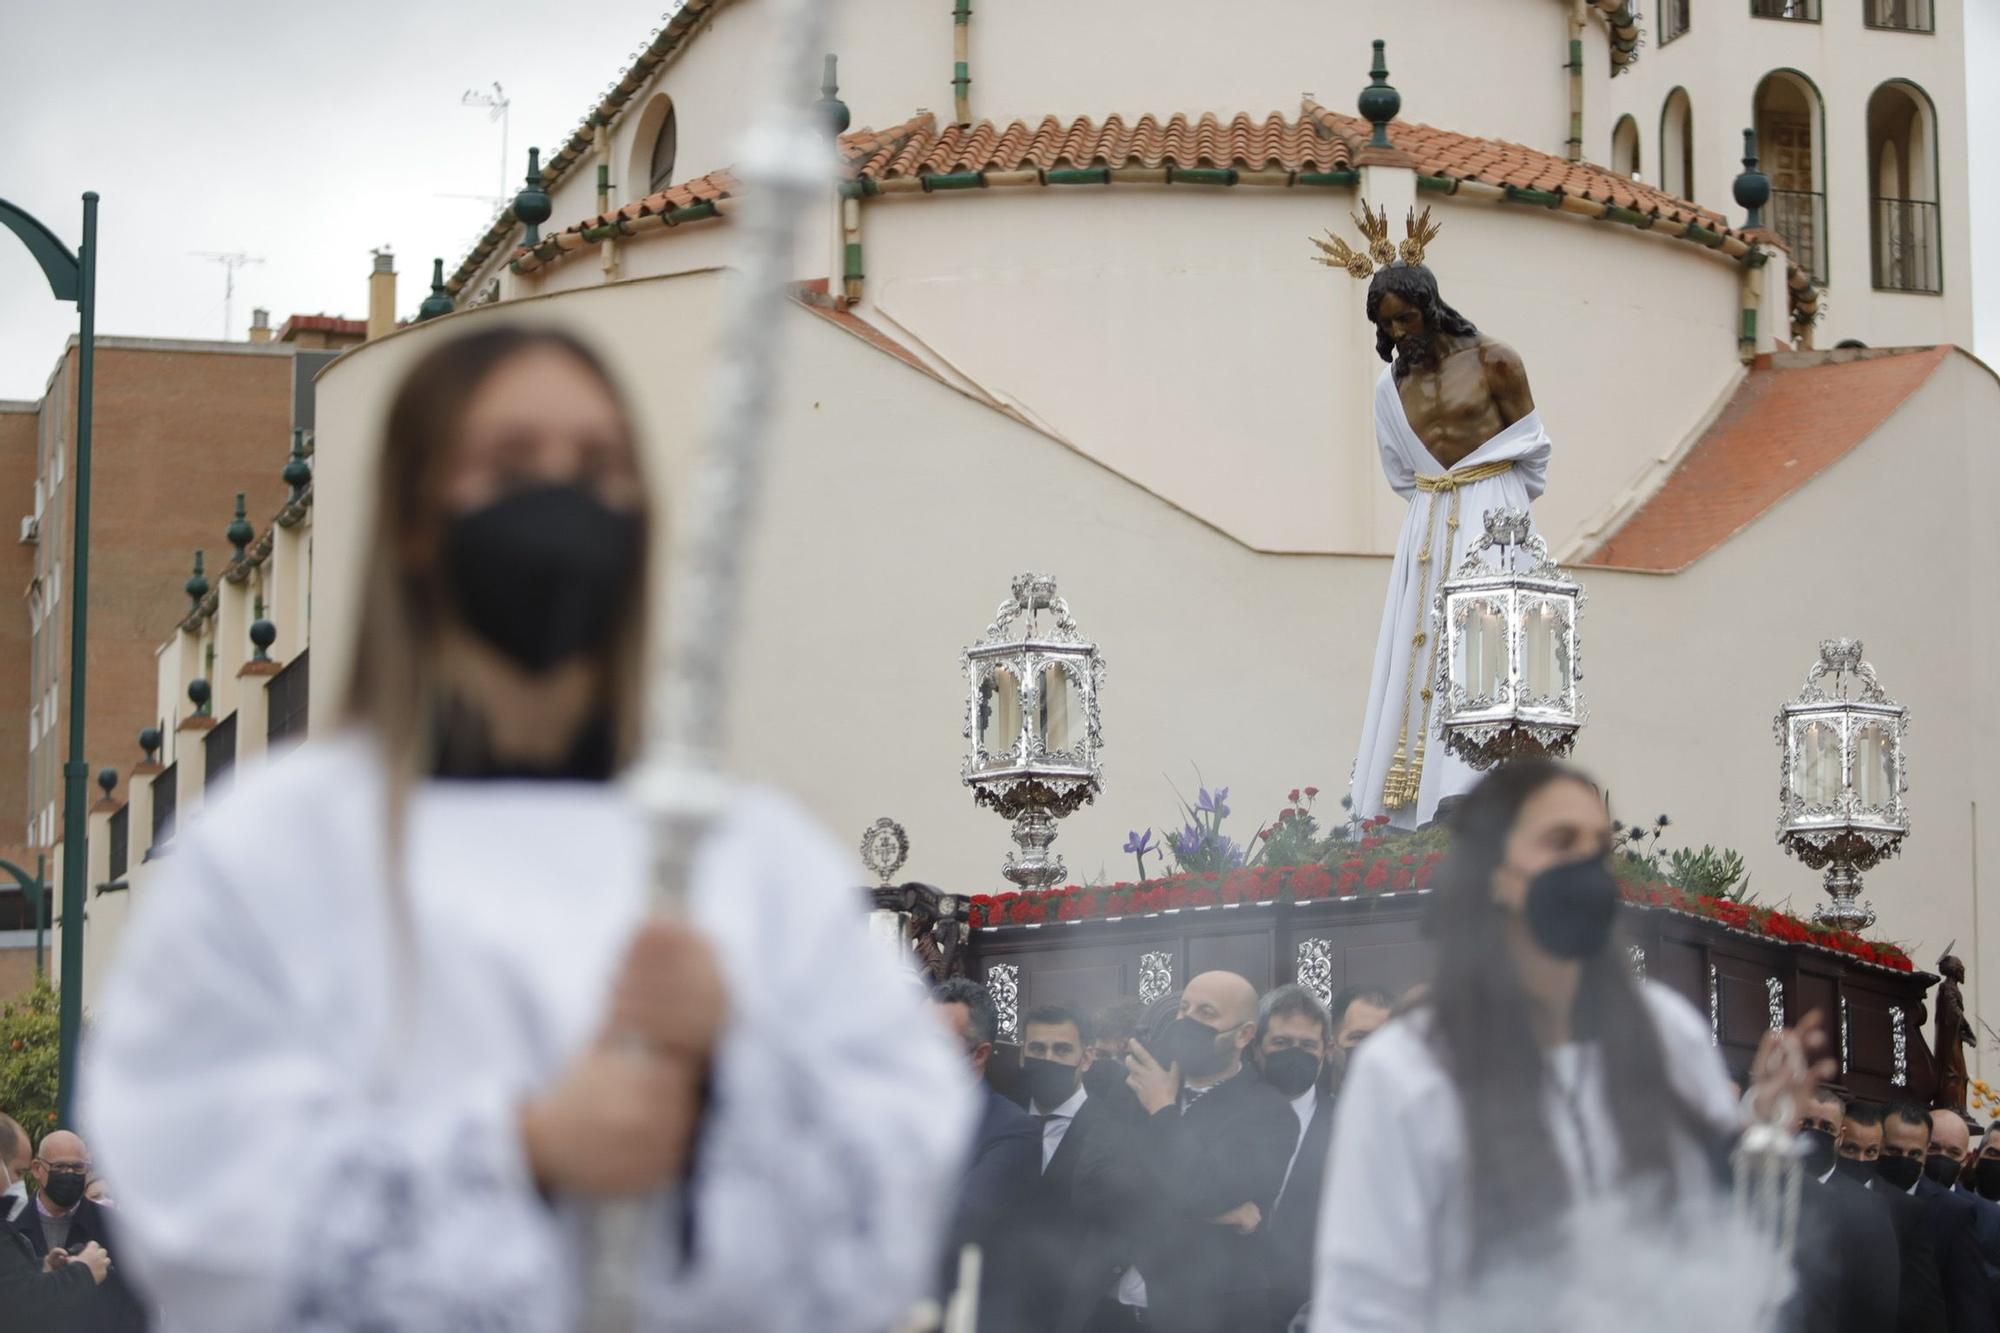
x: 786, y: 165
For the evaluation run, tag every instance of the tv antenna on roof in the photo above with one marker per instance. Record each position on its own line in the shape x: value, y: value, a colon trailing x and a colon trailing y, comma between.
x: 230, y: 263
x: 496, y: 103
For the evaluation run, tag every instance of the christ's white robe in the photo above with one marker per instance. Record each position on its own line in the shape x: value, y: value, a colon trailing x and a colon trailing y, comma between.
x: 295, y: 1148
x: 1407, y: 608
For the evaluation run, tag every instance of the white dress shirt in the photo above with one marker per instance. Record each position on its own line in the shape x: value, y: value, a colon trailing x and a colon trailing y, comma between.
x: 1303, y: 1107
x: 1055, y: 1124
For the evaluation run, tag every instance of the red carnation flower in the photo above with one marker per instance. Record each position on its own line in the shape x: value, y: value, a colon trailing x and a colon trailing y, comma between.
x: 1311, y: 792
x: 1293, y: 796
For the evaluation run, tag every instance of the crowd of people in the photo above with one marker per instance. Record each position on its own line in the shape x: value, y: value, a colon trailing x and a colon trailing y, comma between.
x: 56, y: 1270
x: 1116, y: 1195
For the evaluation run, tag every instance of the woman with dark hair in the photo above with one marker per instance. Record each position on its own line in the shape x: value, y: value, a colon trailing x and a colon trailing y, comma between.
x: 1572, y: 1082
x: 395, y: 1017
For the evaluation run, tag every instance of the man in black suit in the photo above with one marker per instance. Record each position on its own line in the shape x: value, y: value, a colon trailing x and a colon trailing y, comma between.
x: 1962, y: 1280
x: 1919, y: 1292
x: 997, y: 1193
x: 36, y: 1297
x: 1088, y: 1187
x: 1213, y: 1144
x: 1846, y: 1253
x: 61, y: 1220
x: 1293, y: 1033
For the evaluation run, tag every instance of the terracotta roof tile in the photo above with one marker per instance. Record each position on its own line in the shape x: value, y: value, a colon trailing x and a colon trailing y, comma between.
x: 1784, y: 427
x: 702, y: 189
x: 1276, y: 142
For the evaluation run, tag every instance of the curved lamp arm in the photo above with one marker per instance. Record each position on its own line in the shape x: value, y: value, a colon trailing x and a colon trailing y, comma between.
x: 59, y: 266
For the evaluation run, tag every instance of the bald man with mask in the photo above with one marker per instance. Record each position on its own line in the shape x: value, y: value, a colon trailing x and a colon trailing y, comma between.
x: 1214, y: 1139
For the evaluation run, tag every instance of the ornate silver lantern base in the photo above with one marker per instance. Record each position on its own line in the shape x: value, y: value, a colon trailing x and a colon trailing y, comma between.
x: 1846, y: 911
x: 1034, y: 868
x: 1490, y: 744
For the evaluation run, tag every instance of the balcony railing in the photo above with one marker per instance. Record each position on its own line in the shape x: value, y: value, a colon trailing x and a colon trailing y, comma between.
x: 121, y: 841
x: 218, y: 753
x: 285, y: 699
x: 1800, y: 217
x: 1673, y: 19
x: 163, y: 808
x: 1906, y: 246
x: 1798, y: 11
x: 1901, y: 15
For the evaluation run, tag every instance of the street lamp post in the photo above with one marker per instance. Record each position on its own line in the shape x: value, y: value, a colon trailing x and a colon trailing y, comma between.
x: 72, y: 277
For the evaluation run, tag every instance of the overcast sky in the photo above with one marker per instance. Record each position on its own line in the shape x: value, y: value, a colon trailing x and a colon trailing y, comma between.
x: 305, y: 136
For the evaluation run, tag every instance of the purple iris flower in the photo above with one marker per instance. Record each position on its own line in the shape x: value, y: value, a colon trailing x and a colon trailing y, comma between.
x: 1188, y: 841
x: 1215, y: 803
x: 1138, y: 844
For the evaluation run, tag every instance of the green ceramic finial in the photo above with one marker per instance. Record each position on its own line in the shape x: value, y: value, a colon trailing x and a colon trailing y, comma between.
x: 239, y: 532
x: 297, y: 471
x: 1753, y: 187
x: 1379, y: 102
x: 532, y: 206
x: 833, y: 114
x: 439, y: 301
x: 197, y: 585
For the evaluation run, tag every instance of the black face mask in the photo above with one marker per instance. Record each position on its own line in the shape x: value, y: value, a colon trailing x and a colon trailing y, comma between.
x: 1291, y: 1071
x: 1899, y: 1172
x: 1941, y: 1169
x: 1855, y: 1169
x: 1195, y: 1047
x: 1986, y: 1177
x: 1105, y: 1079
x: 1049, y: 1083
x: 542, y: 574
x: 1819, y: 1150
x: 64, y: 1188
x: 1570, y: 907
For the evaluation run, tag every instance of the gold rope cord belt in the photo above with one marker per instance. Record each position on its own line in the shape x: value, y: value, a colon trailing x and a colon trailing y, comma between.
x: 1406, y: 773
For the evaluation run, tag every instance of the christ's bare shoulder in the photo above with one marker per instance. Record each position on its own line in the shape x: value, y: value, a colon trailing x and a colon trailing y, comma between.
x: 1506, y: 378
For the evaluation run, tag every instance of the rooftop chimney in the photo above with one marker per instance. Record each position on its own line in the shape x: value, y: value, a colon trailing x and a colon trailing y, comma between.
x: 382, y: 295
x: 260, y: 325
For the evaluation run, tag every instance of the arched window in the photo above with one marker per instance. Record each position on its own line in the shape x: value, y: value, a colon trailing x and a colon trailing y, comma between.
x: 1790, y: 122
x: 1625, y: 147
x: 1677, y: 145
x: 662, y: 173
x: 1902, y: 168
x: 653, y: 145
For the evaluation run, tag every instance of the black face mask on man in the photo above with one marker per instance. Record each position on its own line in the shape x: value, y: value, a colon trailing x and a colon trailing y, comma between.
x: 1050, y: 1083
x: 1105, y: 1079
x: 1986, y: 1177
x: 1196, y: 1047
x: 1570, y: 907
x: 1900, y: 1173
x: 1856, y: 1169
x: 1291, y: 1071
x: 1818, y: 1145
x: 1941, y: 1169
x: 542, y: 574
x: 64, y: 1188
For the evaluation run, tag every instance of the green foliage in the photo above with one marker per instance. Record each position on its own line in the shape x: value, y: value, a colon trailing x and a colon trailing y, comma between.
x: 1715, y: 874
x: 29, y: 1046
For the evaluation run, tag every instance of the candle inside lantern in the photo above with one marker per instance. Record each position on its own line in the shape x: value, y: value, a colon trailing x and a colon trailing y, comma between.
x: 1874, y: 766
x: 1052, y: 709
x: 1482, y: 654
x: 999, y: 712
x: 1816, y: 775
x: 1544, y: 653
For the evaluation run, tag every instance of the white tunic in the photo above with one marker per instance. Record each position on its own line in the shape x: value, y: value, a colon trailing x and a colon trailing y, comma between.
x: 1407, y: 606
x: 295, y: 1149
x: 1394, y: 1237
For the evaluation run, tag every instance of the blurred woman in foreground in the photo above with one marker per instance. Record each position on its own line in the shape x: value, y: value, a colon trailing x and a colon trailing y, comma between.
x: 394, y: 1014
x: 1493, y: 1145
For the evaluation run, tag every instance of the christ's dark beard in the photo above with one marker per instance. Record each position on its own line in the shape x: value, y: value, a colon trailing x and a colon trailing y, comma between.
x: 1418, y: 351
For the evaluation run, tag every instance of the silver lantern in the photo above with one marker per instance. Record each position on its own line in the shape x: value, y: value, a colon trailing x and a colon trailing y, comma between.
x: 1507, y: 666
x: 1031, y: 723
x: 1842, y: 791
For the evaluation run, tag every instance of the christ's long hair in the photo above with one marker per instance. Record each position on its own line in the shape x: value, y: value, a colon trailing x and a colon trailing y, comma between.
x: 1483, y: 1031
x: 1417, y: 285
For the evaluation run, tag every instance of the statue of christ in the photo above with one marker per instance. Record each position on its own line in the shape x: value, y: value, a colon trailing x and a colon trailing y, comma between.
x: 1459, y: 435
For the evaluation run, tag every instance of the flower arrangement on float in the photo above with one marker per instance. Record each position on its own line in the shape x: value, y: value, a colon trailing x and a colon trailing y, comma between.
x: 1294, y: 861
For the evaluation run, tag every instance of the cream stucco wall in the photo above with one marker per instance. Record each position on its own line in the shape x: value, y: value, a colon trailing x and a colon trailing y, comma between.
x: 898, y: 508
